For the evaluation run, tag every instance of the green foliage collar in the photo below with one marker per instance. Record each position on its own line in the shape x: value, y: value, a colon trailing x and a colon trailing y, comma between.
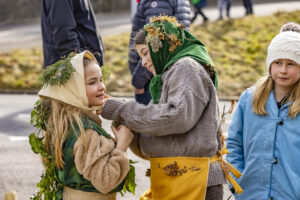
x: 50, y: 186
x: 49, y: 183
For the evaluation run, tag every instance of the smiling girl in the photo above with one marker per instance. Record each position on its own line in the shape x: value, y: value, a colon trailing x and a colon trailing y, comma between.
x: 88, y: 163
x: 264, y: 135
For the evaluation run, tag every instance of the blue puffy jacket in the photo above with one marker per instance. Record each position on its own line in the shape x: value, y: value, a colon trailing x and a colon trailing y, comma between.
x: 145, y: 10
x: 69, y: 25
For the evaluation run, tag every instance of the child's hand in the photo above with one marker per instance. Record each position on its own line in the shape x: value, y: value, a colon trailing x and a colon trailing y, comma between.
x: 123, y: 136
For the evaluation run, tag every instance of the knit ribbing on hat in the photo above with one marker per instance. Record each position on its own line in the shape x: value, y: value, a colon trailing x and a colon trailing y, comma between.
x: 285, y: 45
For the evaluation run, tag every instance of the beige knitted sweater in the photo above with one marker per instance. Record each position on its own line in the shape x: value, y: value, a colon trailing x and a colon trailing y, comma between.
x: 99, y: 161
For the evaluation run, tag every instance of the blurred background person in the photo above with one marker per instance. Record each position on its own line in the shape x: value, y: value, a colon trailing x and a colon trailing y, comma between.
x: 145, y: 9
x: 199, y: 5
x: 248, y: 6
x: 224, y: 4
x: 69, y: 26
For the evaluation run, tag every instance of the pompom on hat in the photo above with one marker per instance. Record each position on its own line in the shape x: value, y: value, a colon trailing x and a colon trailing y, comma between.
x: 285, y: 45
x: 72, y: 92
x: 291, y: 26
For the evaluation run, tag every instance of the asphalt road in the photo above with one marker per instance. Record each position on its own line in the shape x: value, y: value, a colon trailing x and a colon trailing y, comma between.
x: 21, y: 168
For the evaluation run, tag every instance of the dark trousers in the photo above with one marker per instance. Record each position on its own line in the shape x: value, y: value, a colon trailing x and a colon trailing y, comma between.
x: 214, y: 192
x: 199, y: 11
x: 248, y: 6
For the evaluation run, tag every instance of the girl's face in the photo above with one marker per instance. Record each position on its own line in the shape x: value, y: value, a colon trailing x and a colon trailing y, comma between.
x: 285, y: 73
x: 94, y: 86
x: 144, y: 53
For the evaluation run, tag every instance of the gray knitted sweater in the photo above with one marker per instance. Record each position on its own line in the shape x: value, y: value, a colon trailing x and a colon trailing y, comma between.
x: 185, y: 121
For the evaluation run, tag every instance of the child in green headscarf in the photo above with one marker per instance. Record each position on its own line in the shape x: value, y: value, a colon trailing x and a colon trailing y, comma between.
x: 178, y: 130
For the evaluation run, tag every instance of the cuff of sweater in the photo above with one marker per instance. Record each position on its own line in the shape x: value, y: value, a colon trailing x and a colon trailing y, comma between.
x: 119, y: 152
x: 110, y: 106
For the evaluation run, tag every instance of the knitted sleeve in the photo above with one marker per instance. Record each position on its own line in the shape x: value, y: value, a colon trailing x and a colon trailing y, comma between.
x: 99, y: 162
x: 187, y: 96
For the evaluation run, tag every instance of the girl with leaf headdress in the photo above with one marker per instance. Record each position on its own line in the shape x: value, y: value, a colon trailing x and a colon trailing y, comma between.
x: 82, y: 160
x: 178, y: 130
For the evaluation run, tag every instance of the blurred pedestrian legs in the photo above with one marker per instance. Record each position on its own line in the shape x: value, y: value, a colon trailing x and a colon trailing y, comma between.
x: 224, y: 4
x: 248, y: 6
x: 199, y: 5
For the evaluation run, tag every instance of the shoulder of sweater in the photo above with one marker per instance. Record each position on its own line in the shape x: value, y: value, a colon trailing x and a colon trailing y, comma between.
x: 189, y: 75
x: 90, y: 136
x: 189, y: 66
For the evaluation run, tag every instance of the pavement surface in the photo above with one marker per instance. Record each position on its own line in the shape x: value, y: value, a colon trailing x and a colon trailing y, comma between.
x: 28, y: 34
x: 21, y: 168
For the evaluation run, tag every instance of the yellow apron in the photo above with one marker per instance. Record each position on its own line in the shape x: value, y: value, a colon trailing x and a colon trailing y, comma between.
x: 190, y: 182
x: 182, y: 178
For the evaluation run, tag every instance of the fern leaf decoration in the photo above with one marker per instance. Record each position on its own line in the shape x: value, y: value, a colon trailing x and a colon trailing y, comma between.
x: 58, y: 73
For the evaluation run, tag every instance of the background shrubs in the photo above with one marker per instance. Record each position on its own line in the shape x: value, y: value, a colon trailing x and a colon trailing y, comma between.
x: 238, y: 48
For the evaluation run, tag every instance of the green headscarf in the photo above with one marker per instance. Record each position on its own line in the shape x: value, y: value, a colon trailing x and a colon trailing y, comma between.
x: 168, y: 41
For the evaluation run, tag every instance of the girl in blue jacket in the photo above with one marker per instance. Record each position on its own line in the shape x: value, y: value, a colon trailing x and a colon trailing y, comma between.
x: 264, y: 136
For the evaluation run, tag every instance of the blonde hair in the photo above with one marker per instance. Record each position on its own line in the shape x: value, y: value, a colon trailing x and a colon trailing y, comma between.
x: 87, y: 60
x: 262, y: 92
x: 61, y: 117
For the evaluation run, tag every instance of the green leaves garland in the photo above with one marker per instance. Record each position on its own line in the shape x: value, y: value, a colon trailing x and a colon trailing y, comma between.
x: 49, y: 182
x: 129, y: 180
x: 39, y: 115
x: 58, y: 73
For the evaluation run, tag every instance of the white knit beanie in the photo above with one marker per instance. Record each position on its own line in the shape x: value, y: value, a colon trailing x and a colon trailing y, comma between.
x: 285, y: 45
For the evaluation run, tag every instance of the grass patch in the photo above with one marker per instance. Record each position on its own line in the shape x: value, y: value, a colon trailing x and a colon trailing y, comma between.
x: 238, y: 48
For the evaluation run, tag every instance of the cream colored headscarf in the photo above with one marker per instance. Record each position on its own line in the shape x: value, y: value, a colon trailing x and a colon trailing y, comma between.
x: 73, y: 92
